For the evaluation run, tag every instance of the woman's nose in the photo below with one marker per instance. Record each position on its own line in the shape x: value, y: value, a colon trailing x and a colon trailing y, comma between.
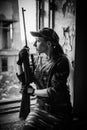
x: 35, y: 43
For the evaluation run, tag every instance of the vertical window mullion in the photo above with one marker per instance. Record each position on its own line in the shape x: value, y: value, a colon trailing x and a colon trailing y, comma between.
x: 49, y: 13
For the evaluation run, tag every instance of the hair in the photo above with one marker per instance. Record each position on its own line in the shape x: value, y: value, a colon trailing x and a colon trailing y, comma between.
x: 56, y: 50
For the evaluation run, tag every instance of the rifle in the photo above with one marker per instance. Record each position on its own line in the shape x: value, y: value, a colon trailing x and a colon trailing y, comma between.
x: 25, y: 102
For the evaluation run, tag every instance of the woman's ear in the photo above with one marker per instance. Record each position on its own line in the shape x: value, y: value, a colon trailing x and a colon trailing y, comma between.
x: 48, y: 43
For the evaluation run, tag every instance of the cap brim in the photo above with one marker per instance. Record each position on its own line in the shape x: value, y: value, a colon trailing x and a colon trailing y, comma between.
x: 36, y: 34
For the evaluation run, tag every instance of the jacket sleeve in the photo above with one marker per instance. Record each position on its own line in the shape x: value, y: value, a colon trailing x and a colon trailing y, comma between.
x: 59, y: 78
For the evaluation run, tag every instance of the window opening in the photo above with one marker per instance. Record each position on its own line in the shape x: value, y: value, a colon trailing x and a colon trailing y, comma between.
x: 7, y: 34
x: 4, y: 64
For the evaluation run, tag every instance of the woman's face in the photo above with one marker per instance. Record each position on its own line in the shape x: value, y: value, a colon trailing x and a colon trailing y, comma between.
x: 41, y: 45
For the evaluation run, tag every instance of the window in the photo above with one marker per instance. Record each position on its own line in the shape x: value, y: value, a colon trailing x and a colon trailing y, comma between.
x: 44, y: 13
x: 39, y: 14
x: 4, y: 64
x: 7, y: 34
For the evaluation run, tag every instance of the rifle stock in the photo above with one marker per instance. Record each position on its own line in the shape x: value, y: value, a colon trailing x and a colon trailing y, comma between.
x: 25, y: 102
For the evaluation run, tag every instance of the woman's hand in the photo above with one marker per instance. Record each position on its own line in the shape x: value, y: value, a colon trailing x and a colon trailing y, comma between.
x: 31, y: 89
x: 37, y: 92
x: 22, y: 54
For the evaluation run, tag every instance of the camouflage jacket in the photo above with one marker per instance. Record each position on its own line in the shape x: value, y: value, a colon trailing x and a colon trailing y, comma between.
x: 53, y: 75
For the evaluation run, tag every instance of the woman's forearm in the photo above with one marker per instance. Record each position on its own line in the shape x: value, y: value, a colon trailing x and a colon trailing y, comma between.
x: 41, y: 92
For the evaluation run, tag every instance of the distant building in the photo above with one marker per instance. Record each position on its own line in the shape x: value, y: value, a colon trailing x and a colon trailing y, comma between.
x: 10, y: 39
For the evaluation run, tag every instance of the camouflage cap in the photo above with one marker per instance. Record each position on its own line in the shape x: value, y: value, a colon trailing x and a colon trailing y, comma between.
x: 48, y: 34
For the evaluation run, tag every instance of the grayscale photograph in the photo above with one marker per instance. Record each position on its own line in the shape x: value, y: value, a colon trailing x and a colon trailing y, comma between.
x: 40, y: 81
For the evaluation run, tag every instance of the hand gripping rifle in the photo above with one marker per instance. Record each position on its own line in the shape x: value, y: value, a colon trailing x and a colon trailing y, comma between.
x: 25, y: 102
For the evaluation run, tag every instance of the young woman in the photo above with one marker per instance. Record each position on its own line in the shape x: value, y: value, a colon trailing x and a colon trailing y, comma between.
x: 53, y: 109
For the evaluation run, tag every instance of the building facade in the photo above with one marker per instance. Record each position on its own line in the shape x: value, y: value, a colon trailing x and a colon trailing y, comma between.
x: 10, y: 42
x: 10, y: 39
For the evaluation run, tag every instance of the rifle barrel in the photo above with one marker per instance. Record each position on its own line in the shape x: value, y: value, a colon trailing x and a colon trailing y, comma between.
x: 24, y: 25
